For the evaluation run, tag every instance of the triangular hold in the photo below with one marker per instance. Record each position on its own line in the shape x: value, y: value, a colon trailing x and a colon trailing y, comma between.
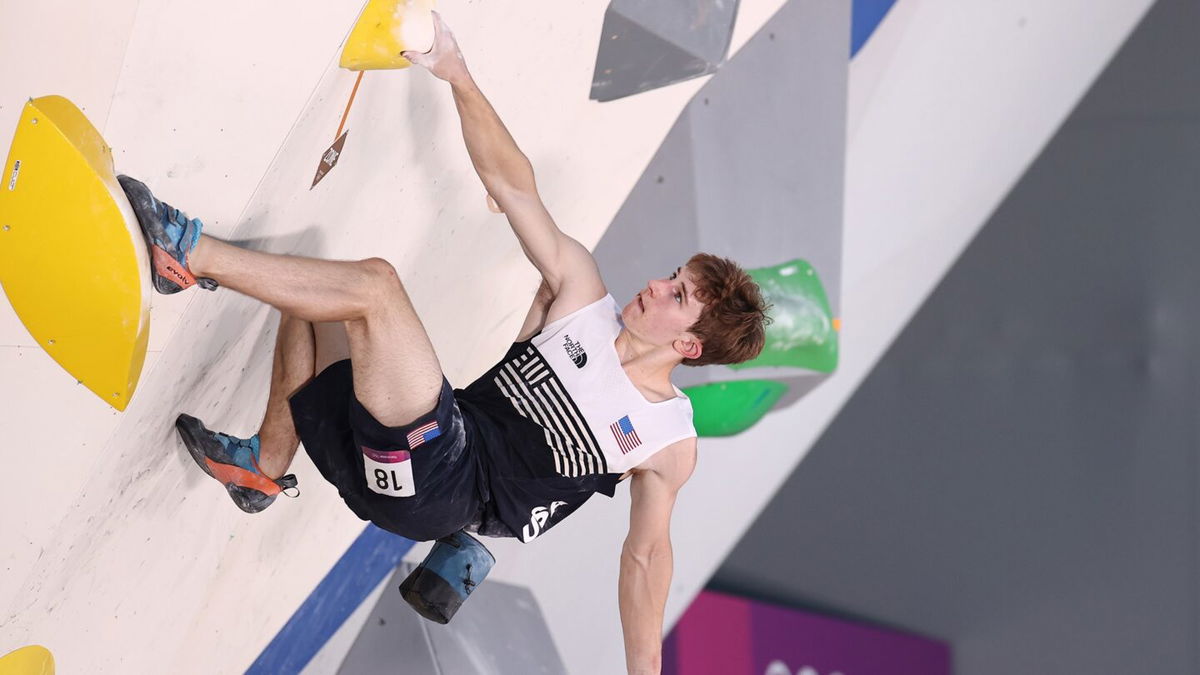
x: 631, y: 60
x: 384, y: 29
x: 701, y: 27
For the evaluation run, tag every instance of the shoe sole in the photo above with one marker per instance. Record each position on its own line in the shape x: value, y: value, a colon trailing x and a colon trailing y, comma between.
x: 249, y: 499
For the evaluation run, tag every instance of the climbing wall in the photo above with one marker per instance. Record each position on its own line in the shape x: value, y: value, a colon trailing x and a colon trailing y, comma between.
x: 121, y: 557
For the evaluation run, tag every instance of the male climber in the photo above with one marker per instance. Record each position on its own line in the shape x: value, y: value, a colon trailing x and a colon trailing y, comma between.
x: 582, y: 400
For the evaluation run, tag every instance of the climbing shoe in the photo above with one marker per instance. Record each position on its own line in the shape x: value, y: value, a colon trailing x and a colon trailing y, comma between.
x: 170, y: 236
x: 234, y: 463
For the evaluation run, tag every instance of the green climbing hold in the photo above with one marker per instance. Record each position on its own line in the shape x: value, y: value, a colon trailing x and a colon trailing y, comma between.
x: 728, y: 408
x: 803, y: 330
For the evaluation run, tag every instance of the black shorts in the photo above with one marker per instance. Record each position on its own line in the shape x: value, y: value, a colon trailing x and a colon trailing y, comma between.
x: 419, y: 480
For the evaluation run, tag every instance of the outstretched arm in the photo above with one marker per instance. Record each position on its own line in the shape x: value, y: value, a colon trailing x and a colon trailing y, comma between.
x: 565, y: 264
x: 646, y: 558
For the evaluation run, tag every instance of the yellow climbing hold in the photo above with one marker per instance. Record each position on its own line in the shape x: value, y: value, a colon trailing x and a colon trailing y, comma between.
x: 31, y: 660
x: 384, y: 29
x: 72, y: 258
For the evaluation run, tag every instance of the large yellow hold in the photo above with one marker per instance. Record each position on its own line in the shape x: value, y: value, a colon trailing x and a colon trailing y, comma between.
x: 72, y: 258
x: 384, y: 29
x: 31, y: 660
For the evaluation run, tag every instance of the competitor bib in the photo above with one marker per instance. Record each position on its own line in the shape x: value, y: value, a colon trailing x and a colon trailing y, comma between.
x: 389, y: 473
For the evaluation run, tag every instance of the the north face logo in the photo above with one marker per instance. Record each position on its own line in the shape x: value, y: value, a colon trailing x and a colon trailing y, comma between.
x: 575, y: 351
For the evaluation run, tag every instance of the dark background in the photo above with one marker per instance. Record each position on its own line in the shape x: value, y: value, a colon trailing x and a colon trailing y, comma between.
x: 1018, y: 475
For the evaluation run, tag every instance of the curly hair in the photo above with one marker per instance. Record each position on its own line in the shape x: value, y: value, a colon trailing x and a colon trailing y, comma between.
x: 732, y: 325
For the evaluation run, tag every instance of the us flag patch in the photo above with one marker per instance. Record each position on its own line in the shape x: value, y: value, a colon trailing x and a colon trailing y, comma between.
x: 425, y: 432
x: 626, y: 435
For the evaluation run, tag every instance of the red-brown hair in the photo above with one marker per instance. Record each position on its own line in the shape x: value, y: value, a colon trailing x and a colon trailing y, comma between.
x: 732, y: 325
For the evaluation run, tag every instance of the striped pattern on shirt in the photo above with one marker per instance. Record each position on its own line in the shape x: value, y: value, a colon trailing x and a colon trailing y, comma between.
x: 536, y: 393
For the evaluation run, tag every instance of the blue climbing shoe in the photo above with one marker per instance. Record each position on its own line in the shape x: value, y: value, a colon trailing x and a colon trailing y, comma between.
x: 234, y: 463
x: 170, y: 235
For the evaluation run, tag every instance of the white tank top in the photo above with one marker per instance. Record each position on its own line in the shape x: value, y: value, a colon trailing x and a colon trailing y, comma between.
x: 623, y: 429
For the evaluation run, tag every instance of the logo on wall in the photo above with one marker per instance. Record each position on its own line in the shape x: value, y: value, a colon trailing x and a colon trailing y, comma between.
x: 769, y: 646
x: 575, y: 351
x: 778, y: 667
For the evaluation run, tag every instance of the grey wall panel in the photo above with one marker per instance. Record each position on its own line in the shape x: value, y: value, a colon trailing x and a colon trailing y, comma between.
x: 498, y: 631
x: 393, y: 639
x: 769, y: 135
x: 1019, y: 473
x: 654, y: 231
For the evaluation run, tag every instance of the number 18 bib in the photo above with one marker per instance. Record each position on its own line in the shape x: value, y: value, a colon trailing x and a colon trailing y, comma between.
x: 389, y: 473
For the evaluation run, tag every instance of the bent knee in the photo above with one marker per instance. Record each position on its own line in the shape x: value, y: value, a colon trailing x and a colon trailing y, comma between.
x: 380, y: 270
x: 381, y: 289
x: 379, y: 278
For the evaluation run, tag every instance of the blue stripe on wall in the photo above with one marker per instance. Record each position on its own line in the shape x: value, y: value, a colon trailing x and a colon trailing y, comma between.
x: 373, y: 555
x: 865, y: 16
